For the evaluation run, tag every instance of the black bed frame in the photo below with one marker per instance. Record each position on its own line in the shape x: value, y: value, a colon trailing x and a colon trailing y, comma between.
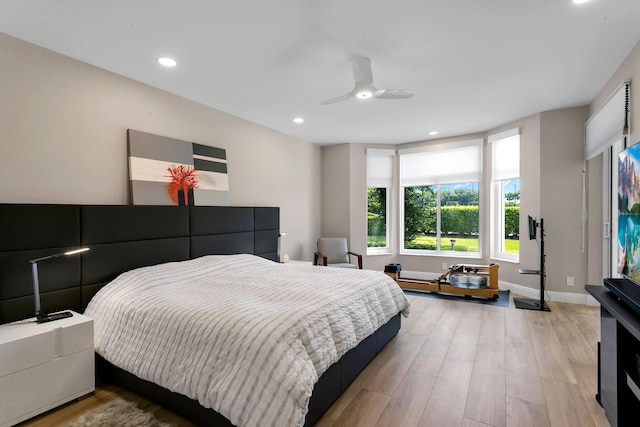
x: 125, y: 237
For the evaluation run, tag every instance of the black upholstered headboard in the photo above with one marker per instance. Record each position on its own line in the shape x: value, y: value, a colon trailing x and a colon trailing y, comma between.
x: 121, y: 238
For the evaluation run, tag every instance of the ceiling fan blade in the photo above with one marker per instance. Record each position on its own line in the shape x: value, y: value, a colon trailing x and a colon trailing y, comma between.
x: 364, y: 87
x: 362, y: 70
x: 394, y: 94
x: 337, y: 99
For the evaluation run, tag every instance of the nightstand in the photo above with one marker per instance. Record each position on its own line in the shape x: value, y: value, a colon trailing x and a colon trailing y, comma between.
x: 43, y: 365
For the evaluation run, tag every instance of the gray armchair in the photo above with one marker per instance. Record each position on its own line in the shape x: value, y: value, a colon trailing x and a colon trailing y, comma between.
x: 333, y: 252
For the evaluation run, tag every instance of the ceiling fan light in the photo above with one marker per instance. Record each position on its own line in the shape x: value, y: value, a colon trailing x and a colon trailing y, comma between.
x: 364, y: 94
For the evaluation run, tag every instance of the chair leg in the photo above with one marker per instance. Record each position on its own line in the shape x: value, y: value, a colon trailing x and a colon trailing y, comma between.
x: 317, y: 255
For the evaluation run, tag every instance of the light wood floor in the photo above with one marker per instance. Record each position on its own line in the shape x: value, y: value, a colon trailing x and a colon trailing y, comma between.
x: 456, y: 364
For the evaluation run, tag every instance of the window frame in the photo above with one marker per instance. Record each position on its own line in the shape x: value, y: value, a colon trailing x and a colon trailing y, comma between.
x: 498, y: 239
x: 439, y: 251
x: 499, y: 225
x: 465, y: 177
x: 379, y: 250
x: 384, y: 180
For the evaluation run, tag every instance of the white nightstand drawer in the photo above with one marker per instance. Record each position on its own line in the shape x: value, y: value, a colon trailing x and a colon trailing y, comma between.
x: 26, y: 352
x: 33, y: 391
x: 43, y: 365
x: 75, y: 338
x: 26, y: 344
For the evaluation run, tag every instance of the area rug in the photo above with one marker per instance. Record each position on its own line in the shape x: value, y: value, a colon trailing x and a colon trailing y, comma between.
x: 502, y: 301
x: 117, y: 413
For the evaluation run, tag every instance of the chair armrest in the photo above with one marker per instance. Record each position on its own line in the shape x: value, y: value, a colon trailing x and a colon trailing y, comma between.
x: 319, y: 255
x: 359, y: 258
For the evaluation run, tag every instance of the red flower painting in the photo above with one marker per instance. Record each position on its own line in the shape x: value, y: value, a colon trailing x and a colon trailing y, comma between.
x: 182, y: 178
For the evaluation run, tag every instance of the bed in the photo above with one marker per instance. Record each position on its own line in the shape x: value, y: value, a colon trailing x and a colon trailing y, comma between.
x: 124, y: 238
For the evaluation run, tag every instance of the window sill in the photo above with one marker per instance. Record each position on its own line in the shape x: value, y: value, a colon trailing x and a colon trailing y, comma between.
x: 509, y: 260
x: 376, y: 253
x: 443, y: 254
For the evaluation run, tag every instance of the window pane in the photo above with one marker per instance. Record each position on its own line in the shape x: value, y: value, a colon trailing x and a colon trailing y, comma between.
x: 377, y: 218
x: 420, y: 217
x: 511, y: 216
x: 459, y: 219
x: 457, y: 211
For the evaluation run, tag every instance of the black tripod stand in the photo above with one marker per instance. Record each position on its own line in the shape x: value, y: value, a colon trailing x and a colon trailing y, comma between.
x: 530, y: 303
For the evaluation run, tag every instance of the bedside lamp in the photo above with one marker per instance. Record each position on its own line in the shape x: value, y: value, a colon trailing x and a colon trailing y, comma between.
x: 279, y: 253
x: 41, y: 317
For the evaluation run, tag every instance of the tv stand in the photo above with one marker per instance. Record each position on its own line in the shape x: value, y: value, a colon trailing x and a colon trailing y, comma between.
x: 618, y: 357
x: 626, y: 290
x: 530, y: 303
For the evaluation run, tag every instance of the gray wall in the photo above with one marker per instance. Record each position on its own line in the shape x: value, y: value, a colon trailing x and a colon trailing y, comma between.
x: 629, y: 70
x: 561, y: 161
x: 335, y: 191
x: 63, y: 140
x: 552, y: 153
x: 551, y: 187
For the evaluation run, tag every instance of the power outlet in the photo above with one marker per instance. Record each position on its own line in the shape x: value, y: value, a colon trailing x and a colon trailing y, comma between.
x: 445, y: 266
x: 569, y: 281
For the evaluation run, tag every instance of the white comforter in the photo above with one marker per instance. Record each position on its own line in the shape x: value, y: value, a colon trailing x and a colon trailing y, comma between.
x: 243, y: 335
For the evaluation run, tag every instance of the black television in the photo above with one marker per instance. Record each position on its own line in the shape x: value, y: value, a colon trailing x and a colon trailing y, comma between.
x: 628, y: 237
x: 533, y: 225
x: 629, y: 213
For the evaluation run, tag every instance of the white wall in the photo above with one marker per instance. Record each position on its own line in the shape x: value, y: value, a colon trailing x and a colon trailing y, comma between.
x: 63, y: 140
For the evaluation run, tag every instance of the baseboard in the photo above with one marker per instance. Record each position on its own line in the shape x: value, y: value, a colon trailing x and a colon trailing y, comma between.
x: 568, y: 297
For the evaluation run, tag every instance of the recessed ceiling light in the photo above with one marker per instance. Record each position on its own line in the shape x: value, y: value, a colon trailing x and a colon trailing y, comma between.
x: 167, y: 62
x: 580, y: 1
x: 298, y: 120
x: 433, y: 132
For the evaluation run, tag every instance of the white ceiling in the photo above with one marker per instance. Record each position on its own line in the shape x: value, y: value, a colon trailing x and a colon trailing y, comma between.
x: 476, y: 64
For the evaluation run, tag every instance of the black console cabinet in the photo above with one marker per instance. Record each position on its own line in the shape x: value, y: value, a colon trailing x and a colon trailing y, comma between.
x: 618, y: 358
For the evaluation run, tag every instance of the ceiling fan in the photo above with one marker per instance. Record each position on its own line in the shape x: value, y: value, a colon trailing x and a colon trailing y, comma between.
x: 364, y: 87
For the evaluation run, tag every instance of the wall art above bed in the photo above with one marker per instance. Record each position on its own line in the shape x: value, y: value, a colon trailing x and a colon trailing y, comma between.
x: 168, y: 171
